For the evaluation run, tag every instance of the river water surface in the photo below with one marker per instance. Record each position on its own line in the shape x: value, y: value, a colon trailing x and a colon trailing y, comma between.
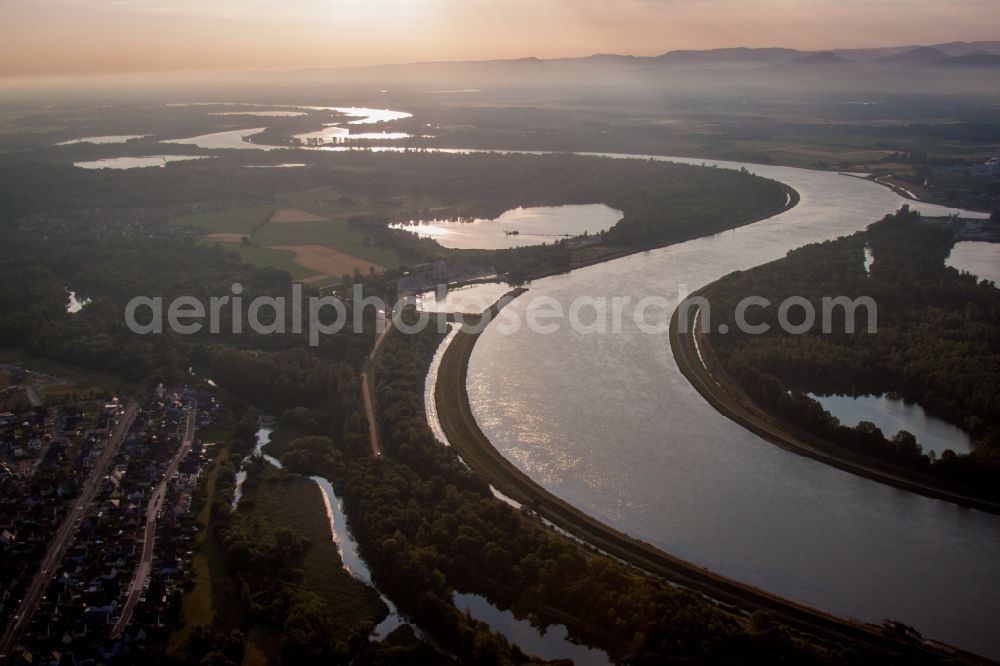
x: 608, y: 423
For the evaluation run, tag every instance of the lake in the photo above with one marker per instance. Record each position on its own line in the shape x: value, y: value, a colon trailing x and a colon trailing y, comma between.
x: 329, y: 133
x: 553, y: 644
x: 118, y: 138
x: 232, y: 139
x: 75, y: 304
x: 359, y: 115
x: 137, y: 162
x: 379, y: 136
x: 892, y: 415
x: 608, y: 423
x: 339, y: 134
x: 980, y: 258
x: 362, y: 115
x: 534, y: 226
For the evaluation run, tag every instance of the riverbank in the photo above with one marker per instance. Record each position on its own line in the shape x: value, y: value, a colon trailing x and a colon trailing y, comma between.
x: 792, y: 199
x: 905, y: 193
x: 696, y: 361
x: 463, y: 432
x: 278, y: 499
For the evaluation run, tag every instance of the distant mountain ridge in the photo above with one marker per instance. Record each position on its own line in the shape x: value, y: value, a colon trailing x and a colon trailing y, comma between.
x: 913, y: 54
x: 821, y: 58
x: 971, y: 60
x: 764, y: 56
x: 885, y: 56
x: 921, y: 55
x: 953, y: 67
x: 965, y: 53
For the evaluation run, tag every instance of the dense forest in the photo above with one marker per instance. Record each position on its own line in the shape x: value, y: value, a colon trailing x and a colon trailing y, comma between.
x: 277, y: 579
x: 662, y: 202
x: 478, y: 184
x: 937, y: 344
x: 33, y: 299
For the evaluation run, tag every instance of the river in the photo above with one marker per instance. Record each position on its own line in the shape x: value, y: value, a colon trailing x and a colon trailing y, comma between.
x: 633, y: 444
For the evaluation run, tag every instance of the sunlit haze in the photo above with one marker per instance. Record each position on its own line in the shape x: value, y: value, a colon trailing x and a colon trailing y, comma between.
x: 50, y: 37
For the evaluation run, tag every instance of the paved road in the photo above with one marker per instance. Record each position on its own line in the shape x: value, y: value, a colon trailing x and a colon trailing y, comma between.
x: 142, y: 571
x: 64, y: 536
x: 367, y: 391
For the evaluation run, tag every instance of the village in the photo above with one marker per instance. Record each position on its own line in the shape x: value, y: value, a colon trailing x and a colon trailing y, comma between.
x: 95, y: 520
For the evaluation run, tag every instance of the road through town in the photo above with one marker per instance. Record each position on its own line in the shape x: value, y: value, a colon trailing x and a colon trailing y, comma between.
x: 65, y: 535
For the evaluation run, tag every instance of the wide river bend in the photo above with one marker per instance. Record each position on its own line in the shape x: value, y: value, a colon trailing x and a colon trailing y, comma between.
x: 609, y: 423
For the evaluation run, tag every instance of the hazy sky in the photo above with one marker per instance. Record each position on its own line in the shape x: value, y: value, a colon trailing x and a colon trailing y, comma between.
x: 105, y: 36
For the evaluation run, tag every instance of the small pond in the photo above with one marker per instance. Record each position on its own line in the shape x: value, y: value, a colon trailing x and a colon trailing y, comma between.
x: 980, y: 258
x: 75, y: 304
x: 892, y: 415
x: 552, y: 644
x: 517, y: 227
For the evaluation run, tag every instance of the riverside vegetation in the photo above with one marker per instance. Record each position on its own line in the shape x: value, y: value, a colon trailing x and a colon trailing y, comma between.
x: 662, y: 202
x: 938, y: 344
x: 428, y: 526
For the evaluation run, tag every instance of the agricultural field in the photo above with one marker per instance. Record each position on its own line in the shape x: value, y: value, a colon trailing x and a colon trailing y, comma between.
x: 307, y: 233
